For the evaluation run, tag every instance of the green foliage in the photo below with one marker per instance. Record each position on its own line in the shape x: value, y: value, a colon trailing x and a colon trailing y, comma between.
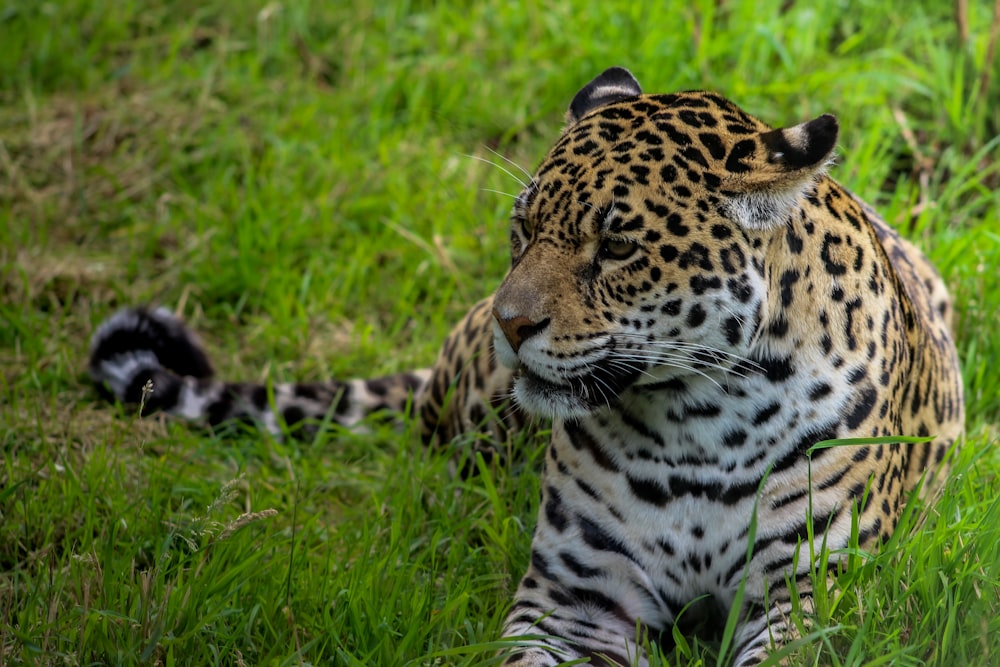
x: 294, y: 177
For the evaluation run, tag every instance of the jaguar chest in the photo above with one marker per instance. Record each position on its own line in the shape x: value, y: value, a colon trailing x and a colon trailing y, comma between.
x: 666, y: 490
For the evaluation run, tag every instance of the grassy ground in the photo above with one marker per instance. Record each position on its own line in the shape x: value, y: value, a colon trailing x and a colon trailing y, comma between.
x: 294, y: 179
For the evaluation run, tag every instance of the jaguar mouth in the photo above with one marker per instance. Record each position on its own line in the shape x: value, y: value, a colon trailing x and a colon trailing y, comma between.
x: 573, y: 397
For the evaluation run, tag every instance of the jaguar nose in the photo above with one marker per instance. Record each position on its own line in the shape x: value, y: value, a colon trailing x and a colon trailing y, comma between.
x: 519, y: 328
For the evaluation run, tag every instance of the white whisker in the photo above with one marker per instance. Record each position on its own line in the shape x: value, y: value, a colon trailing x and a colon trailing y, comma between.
x: 686, y: 347
x: 531, y: 179
x: 680, y: 362
x: 740, y: 320
x: 601, y: 381
x: 499, y: 192
x: 500, y: 167
x: 624, y: 365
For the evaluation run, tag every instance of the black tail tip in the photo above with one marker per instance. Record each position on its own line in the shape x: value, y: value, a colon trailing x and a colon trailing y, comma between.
x: 155, y: 331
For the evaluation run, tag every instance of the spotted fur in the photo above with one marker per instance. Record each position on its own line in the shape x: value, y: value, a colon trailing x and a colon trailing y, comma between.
x: 694, y: 304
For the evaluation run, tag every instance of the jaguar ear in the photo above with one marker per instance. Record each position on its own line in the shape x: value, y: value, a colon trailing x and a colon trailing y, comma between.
x: 771, y: 172
x: 612, y: 85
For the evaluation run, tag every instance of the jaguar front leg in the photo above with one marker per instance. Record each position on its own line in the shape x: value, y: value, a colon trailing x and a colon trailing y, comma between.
x: 565, y: 625
x: 765, y: 633
x: 584, y: 595
x: 559, y: 625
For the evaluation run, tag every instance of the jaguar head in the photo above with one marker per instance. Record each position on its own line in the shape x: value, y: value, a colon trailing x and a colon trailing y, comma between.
x: 639, y: 248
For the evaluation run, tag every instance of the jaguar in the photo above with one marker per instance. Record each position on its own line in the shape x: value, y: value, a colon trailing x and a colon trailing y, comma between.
x: 691, y: 306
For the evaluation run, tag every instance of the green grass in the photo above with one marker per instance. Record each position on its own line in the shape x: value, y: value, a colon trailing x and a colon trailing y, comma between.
x: 293, y: 177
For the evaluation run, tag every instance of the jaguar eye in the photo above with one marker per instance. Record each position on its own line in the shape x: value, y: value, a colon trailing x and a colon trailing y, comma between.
x: 522, y: 225
x: 617, y: 249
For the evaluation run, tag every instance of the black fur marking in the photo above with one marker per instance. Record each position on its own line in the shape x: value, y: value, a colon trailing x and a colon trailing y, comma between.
x: 554, y: 510
x: 697, y: 255
x: 714, y: 144
x: 583, y: 440
x: 676, y: 226
x: 788, y: 499
x: 735, y: 439
x: 777, y: 369
x: 863, y: 404
x: 700, y: 283
x: 541, y: 565
x: 578, y: 568
x: 293, y: 415
x: 649, y: 491
x: 740, y: 152
x: 819, y: 391
x: 833, y: 267
x: 343, y: 400
x: 597, y: 538
x: 763, y: 415
x: 788, y: 280
x: 740, y: 288
x: 166, y: 390
x: 696, y: 316
x: 721, y: 232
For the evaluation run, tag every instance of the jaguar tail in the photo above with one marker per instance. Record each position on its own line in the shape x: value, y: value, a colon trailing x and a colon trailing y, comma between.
x: 149, y: 357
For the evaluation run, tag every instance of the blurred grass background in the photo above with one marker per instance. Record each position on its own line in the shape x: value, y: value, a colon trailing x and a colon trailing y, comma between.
x: 294, y: 178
